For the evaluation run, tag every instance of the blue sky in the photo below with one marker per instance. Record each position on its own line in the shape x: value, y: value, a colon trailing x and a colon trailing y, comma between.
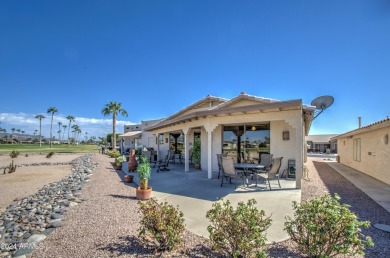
x: 157, y: 57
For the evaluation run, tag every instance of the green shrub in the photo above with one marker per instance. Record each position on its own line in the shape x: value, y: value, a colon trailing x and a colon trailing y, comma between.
x: 162, y: 225
x: 144, y: 169
x: 238, y: 232
x: 14, y: 154
x: 323, y: 227
x: 49, y: 155
x: 113, y: 154
x: 120, y: 159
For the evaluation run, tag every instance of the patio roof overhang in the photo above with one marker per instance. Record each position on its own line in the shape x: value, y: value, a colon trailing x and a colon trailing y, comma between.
x: 241, y: 110
x: 133, y: 134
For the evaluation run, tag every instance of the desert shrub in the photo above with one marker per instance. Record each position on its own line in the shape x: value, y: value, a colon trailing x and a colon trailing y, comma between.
x: 49, y: 155
x: 323, y: 227
x: 162, y: 225
x: 113, y: 154
x: 238, y: 232
x: 14, y: 154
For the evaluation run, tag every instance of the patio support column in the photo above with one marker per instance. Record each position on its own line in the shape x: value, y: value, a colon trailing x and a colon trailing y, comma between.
x: 158, y: 146
x: 186, y: 151
x: 210, y: 126
x: 209, y: 153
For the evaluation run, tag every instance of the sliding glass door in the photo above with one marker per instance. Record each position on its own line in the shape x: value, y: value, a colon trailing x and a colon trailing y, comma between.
x: 246, y: 142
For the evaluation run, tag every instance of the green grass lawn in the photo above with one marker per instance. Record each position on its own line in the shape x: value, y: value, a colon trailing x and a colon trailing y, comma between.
x: 34, y: 148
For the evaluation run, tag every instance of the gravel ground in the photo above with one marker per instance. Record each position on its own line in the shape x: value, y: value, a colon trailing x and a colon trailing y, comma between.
x: 105, y: 224
x: 26, y: 181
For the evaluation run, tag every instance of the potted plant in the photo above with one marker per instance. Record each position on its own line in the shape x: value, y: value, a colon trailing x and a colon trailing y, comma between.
x: 196, y: 153
x: 129, y: 178
x: 119, y: 161
x: 144, y: 192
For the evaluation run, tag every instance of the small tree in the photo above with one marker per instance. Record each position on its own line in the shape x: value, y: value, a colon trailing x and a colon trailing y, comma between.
x: 238, y: 232
x: 323, y: 227
x: 162, y: 225
x: 196, y: 152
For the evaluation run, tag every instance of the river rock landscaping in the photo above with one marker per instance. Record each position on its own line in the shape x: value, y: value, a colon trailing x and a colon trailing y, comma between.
x: 27, y: 221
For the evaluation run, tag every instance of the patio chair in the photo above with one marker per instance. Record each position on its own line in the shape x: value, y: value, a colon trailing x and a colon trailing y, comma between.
x: 273, y: 173
x: 266, y: 161
x: 228, y: 171
x: 163, y: 164
x: 219, y: 159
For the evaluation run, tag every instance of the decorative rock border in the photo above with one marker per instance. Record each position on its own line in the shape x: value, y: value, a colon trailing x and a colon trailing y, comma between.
x: 27, y: 221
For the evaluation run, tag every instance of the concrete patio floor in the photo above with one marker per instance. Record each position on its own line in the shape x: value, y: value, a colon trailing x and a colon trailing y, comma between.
x: 195, y: 194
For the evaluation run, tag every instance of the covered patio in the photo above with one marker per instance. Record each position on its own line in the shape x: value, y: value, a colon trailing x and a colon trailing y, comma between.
x: 241, y: 127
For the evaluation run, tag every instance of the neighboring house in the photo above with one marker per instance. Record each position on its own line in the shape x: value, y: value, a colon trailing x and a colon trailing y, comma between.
x: 135, y: 136
x: 367, y: 149
x: 321, y: 143
x: 244, y: 125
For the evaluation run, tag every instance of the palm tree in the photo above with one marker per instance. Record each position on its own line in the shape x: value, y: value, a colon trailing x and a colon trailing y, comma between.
x: 40, y: 117
x: 22, y: 133
x: 71, y: 119
x: 63, y: 133
x: 59, y: 131
x: 51, y: 110
x: 86, y: 136
x: 75, y: 128
x: 113, y: 108
x: 18, y: 130
x: 12, y: 135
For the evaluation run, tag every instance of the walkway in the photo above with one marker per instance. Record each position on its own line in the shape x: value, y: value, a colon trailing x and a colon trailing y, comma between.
x: 377, y: 190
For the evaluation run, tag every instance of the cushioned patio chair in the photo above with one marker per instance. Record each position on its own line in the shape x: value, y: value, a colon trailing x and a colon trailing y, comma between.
x: 229, y: 171
x: 273, y: 173
x: 219, y: 159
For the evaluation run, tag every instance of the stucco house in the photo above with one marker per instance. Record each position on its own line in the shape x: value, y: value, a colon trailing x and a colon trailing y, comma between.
x: 321, y: 143
x: 244, y: 124
x: 367, y: 149
x: 135, y: 135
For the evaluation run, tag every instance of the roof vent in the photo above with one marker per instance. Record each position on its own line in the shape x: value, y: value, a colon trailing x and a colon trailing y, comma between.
x: 243, y: 93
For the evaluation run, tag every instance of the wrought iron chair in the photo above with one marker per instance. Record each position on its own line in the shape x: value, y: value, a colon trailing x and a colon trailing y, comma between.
x: 163, y: 164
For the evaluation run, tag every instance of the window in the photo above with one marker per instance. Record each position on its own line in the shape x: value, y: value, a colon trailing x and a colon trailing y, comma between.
x: 356, y: 149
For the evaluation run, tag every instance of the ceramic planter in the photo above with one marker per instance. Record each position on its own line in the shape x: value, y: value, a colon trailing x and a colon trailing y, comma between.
x: 132, y: 165
x: 143, y: 194
x: 129, y: 179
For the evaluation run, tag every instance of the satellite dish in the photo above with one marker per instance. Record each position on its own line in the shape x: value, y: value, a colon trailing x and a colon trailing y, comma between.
x: 321, y: 103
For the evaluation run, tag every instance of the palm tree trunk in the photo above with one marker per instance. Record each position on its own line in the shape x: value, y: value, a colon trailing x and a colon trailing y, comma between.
x: 40, y: 133
x: 113, y: 131
x: 69, y: 131
x: 51, y: 130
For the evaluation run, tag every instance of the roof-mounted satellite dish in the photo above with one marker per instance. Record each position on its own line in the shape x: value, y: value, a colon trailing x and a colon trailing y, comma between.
x: 321, y: 103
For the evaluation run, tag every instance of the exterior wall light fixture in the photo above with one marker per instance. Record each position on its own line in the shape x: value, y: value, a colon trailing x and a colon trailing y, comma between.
x: 286, y: 135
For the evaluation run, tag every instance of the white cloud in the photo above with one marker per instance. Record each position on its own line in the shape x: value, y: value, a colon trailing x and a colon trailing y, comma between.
x: 28, y: 123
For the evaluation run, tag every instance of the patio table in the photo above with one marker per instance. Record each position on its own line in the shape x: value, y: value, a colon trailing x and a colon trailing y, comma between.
x: 246, y: 167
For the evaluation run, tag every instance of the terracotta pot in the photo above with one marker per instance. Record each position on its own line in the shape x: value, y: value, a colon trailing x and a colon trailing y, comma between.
x: 132, y: 161
x: 129, y: 178
x: 142, y: 194
x: 119, y: 166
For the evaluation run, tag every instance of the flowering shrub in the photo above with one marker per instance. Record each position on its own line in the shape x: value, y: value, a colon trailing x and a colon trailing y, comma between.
x: 113, y: 154
x: 238, y: 232
x: 323, y: 227
x: 162, y: 225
